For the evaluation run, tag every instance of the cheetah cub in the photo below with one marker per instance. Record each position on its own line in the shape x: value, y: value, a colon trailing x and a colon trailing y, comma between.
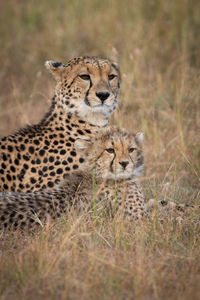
x: 113, y: 161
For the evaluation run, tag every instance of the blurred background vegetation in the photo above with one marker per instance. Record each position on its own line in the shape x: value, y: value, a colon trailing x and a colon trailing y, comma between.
x: 157, y: 45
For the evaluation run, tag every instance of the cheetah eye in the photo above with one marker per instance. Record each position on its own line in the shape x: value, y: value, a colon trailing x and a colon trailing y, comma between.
x: 110, y: 150
x: 111, y: 76
x: 85, y: 76
x: 132, y: 149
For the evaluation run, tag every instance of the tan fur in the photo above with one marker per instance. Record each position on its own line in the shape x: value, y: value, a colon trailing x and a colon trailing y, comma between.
x: 170, y: 210
x: 39, y: 156
x: 104, y: 179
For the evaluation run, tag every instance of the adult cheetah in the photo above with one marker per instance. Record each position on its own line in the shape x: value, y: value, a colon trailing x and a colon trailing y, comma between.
x: 39, y: 156
x: 113, y: 160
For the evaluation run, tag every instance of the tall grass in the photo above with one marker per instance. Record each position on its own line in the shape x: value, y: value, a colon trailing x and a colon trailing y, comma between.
x: 157, y: 45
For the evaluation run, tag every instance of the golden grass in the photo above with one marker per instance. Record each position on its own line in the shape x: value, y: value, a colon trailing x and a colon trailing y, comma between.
x: 157, y: 45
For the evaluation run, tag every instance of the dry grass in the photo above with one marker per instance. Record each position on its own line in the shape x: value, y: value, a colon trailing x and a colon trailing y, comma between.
x: 157, y: 44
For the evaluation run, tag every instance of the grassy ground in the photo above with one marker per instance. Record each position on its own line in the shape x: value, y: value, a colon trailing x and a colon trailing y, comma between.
x: 157, y: 45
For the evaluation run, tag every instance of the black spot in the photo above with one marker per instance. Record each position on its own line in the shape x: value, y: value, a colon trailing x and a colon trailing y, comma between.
x: 69, y: 127
x: 25, y: 157
x: 26, y: 166
x: 59, y: 171
x: 68, y: 144
x: 64, y: 162
x: 16, y: 161
x: 22, y: 147
x: 3, y: 166
x: 50, y: 184
x: 38, y: 161
x: 57, y: 163
x: 71, y: 139
x: 44, y: 169
x: 73, y: 153
x: 32, y: 180
x: 45, y: 160
x: 70, y: 159
x: 51, y: 159
x: 75, y: 167
x: 10, y: 148
x: 52, y: 174
x: 33, y: 170
x: 4, y: 156
x: 87, y: 130
x: 46, y: 142
x: 8, y: 177
x: 80, y: 132
x: 13, y: 214
x: 41, y: 152
x: 63, y: 152
x: 5, y: 186
x: 81, y: 160
x: 31, y: 149
x: 36, y: 142
x: 51, y: 167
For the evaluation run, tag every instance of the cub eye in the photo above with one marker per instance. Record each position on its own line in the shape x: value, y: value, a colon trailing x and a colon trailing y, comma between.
x: 85, y: 76
x: 111, y: 76
x: 132, y: 149
x: 110, y: 150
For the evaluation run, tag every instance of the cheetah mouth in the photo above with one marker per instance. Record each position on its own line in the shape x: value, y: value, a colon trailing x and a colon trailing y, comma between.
x: 95, y: 103
x: 123, y: 175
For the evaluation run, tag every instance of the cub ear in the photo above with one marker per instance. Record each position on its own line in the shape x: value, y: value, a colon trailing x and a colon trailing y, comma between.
x: 56, y: 68
x: 139, y: 137
x: 81, y: 144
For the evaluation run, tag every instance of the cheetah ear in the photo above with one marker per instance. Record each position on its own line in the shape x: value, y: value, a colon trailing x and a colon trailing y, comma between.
x: 56, y: 68
x: 139, y: 137
x: 81, y: 144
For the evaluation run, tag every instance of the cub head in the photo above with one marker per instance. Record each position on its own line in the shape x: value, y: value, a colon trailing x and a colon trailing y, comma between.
x: 114, y: 154
x: 87, y: 86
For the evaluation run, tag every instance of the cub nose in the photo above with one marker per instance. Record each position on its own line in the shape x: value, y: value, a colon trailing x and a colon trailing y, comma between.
x: 103, y: 96
x: 124, y: 164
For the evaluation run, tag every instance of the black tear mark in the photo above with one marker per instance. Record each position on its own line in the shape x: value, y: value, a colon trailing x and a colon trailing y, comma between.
x: 87, y: 93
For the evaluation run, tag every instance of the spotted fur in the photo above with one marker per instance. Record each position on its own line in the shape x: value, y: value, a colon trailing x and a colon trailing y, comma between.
x: 171, y: 210
x: 39, y: 156
x: 104, y: 178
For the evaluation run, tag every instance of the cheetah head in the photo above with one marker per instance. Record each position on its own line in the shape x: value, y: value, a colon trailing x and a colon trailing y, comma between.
x: 115, y: 154
x: 87, y: 87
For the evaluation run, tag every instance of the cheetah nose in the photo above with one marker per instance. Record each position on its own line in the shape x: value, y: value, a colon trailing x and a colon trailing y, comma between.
x: 103, y: 96
x: 124, y: 164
